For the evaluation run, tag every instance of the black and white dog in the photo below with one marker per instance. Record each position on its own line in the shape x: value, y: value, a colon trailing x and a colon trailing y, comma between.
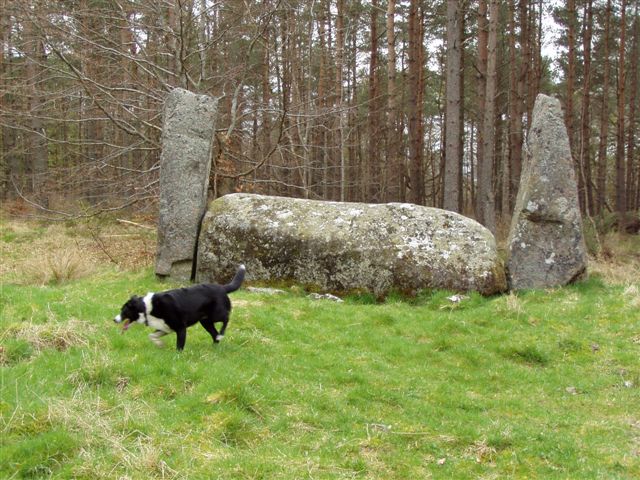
x: 176, y: 310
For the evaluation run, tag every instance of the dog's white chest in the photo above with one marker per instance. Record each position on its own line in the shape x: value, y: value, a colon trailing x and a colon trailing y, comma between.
x: 154, y: 322
x: 158, y: 324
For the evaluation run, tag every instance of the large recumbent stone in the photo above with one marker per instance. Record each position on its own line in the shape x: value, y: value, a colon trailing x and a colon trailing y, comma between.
x: 343, y: 247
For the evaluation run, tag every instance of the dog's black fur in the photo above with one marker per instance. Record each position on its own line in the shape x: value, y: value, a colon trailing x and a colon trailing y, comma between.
x: 176, y: 310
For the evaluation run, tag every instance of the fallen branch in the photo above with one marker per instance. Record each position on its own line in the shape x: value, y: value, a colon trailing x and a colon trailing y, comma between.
x: 129, y: 222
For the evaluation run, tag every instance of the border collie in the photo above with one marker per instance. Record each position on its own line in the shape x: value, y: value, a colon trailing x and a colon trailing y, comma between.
x: 176, y: 310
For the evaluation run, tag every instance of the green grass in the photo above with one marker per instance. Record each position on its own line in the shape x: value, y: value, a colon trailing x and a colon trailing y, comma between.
x: 543, y: 384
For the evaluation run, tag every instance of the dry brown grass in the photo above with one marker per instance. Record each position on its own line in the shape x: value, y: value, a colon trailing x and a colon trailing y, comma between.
x: 618, y: 262
x: 632, y: 294
x: 94, y: 420
x: 37, y: 254
x: 513, y: 304
x: 33, y: 253
x: 58, y: 335
x: 56, y: 266
x: 481, y: 451
x: 41, y: 336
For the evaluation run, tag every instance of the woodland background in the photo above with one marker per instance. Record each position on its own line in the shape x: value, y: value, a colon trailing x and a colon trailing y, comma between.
x: 376, y: 101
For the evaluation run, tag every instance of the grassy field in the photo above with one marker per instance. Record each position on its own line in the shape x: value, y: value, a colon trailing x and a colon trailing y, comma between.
x: 542, y: 384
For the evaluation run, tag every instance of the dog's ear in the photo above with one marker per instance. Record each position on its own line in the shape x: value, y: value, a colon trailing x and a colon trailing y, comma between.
x: 133, y: 300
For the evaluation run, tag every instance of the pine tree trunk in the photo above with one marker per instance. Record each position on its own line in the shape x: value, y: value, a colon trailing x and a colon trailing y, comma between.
x: 621, y: 196
x: 453, y: 106
x: 373, y: 170
x: 633, y: 164
x: 525, y: 61
x: 571, y: 81
x: 462, y: 111
x: 481, y: 90
x: 515, y: 113
x: 9, y: 163
x: 416, y: 176
x: 37, y: 153
x: 265, y: 140
x: 339, y: 92
x: 319, y: 139
x: 531, y: 57
x: 604, y: 119
x: 393, y: 164
x: 356, y: 152
x: 585, y: 131
x: 486, y: 195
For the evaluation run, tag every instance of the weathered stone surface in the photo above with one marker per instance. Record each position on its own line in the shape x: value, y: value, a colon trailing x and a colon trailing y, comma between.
x: 340, y: 247
x: 546, y: 244
x: 185, y: 162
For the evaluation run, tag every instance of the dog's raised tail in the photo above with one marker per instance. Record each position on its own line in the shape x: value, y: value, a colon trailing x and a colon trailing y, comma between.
x: 237, y: 280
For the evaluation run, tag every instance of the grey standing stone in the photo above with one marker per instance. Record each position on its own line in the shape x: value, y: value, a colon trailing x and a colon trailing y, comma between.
x: 185, y: 163
x: 546, y: 243
x: 345, y: 247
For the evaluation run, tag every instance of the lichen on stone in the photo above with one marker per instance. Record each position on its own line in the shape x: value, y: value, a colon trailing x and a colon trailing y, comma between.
x: 337, y: 247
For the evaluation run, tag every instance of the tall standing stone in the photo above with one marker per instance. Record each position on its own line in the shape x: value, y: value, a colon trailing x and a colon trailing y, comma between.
x: 546, y: 243
x: 185, y: 163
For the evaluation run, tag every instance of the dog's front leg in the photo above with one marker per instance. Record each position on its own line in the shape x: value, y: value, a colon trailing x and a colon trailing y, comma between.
x: 155, y: 337
x: 182, y: 338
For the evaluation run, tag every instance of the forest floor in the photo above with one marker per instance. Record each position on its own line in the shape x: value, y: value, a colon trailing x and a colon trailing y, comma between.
x: 535, y: 384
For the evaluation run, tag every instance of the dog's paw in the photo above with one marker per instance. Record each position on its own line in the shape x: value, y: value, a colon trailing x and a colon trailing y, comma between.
x: 219, y: 337
x: 157, y: 342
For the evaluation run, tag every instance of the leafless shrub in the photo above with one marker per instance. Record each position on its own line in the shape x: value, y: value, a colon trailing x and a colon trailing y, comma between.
x: 57, y: 266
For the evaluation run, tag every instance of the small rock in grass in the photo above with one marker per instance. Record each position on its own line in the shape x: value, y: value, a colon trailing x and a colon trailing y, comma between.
x: 266, y: 291
x: 326, y: 296
x: 571, y: 390
x: 457, y: 298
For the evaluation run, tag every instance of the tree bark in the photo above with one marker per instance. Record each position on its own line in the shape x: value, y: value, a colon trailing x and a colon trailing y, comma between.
x: 633, y: 164
x: 37, y: 153
x: 571, y: 81
x: 481, y: 91
x: 373, y: 160
x: 486, y: 195
x: 10, y: 162
x: 453, y: 131
x: 604, y: 118
x: 393, y: 163
x: 416, y: 176
x: 265, y: 140
x: 585, y: 130
x: 515, y: 112
x: 339, y: 89
x: 621, y: 196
